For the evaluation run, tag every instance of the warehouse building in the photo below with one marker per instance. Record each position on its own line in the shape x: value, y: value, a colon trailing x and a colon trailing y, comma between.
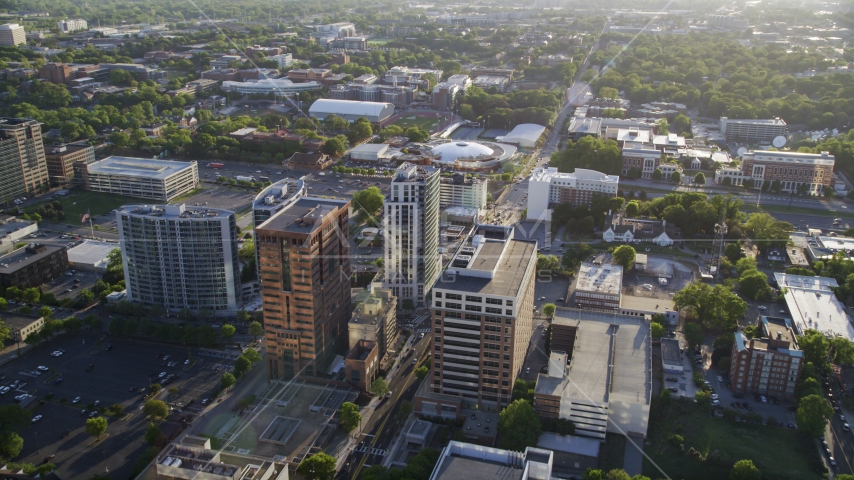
x: 160, y: 180
x: 351, y: 111
x: 371, y: 152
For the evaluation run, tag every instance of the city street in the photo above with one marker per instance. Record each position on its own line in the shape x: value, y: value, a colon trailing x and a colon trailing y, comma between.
x: 379, y: 431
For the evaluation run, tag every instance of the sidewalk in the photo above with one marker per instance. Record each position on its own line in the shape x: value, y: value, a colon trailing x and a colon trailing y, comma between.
x: 14, y: 351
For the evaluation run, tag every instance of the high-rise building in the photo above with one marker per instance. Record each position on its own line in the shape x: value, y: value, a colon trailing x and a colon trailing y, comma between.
x: 23, y: 168
x: 482, y: 318
x: 180, y: 257
x: 775, y: 351
x: 411, y: 226
x: 12, y: 34
x: 304, y: 254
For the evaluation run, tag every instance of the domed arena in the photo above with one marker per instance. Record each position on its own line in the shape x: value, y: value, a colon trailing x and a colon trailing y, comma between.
x: 469, y: 155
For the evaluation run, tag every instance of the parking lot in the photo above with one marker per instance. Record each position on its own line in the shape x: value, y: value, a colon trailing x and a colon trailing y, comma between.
x: 68, y: 286
x: 88, y: 370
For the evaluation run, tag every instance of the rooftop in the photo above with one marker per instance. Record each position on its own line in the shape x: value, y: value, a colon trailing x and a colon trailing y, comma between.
x: 767, y: 121
x: 489, y: 265
x: 174, y: 211
x: 466, y: 461
x: 279, y: 194
x: 604, y: 340
x: 605, y: 279
x: 813, y: 305
x: 646, y: 304
x: 138, y: 167
x: 91, y: 252
x: 61, y: 150
x: 303, y: 216
x: 671, y: 354
x: 26, y: 256
x: 823, y: 158
x: 18, y: 320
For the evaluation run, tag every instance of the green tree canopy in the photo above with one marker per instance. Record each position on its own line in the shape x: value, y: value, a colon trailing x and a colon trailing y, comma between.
x: 744, y: 470
x: 518, y: 426
x: 379, y: 387
x: 227, y: 380
x: 693, y: 333
x: 319, y: 466
x: 153, y: 435
x: 349, y: 416
x: 156, y: 409
x: 96, y: 426
x: 815, y: 347
x: 716, y: 307
x: 625, y: 255
x: 368, y: 201
x: 812, y: 415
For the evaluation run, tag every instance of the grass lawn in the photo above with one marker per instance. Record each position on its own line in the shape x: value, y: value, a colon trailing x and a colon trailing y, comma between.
x: 78, y: 202
x: 713, y: 445
x: 656, y: 250
x: 378, y: 41
x: 425, y: 123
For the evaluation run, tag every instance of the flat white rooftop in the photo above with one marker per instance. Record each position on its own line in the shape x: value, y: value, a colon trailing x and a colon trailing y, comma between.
x: 91, y: 252
x: 606, y: 279
x: 138, y: 167
x: 813, y: 305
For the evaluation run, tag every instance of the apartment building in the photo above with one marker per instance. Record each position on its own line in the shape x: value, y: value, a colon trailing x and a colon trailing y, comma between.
x: 598, y: 287
x: 460, y: 191
x: 23, y: 169
x: 482, y: 318
x: 752, y: 130
x: 32, y: 265
x: 445, y: 95
x: 304, y: 256
x: 547, y: 186
x: 285, y: 60
x: 770, y: 364
x: 180, y: 257
x: 160, y: 180
x: 61, y: 158
x: 411, y: 229
x: 12, y: 34
x: 808, y: 173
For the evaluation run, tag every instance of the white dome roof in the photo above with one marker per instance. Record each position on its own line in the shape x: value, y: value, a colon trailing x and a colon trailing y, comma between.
x: 450, y: 152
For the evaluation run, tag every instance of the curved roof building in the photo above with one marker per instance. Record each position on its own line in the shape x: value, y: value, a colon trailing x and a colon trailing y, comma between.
x: 525, y: 135
x: 375, y: 112
x: 469, y: 155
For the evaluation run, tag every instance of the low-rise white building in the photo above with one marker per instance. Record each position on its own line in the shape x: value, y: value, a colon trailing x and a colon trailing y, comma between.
x: 813, y: 305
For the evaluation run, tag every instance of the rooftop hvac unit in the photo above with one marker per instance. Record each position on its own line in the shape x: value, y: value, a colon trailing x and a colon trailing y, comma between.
x: 478, y: 240
x: 269, y: 199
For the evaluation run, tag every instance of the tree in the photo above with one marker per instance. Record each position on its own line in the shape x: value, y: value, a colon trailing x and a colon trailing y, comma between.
x: 733, y: 252
x: 360, y: 130
x: 724, y: 363
x: 657, y: 174
x: 242, y: 365
x: 815, y: 347
x: 593, y: 474
x: 518, y: 426
x: 154, y: 388
x: 255, y: 329
x: 632, y: 209
x: 415, y: 134
x: 45, y: 312
x: 333, y: 147
x: 116, y: 409
x: 549, y: 309
x: 156, y: 409
x: 625, y: 255
x: 809, y: 386
x: 31, y: 295
x: 227, y: 331
x: 744, y: 470
x: 693, y: 334
x: 368, y: 202
x: 227, y: 380
x: 700, y: 178
x: 754, y: 284
x: 812, y: 415
x: 421, y: 372
x: 153, y: 435
x: 11, y: 444
x: 745, y: 264
x: 379, y: 387
x: 319, y: 466
x: 716, y: 307
x: 842, y: 350
x: 349, y: 417
x: 676, y: 177
x: 657, y: 330
x: 703, y: 398
x: 96, y: 426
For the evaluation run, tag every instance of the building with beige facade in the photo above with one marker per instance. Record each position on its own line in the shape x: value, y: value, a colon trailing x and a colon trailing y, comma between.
x: 23, y: 169
x: 482, y: 323
x: 375, y: 320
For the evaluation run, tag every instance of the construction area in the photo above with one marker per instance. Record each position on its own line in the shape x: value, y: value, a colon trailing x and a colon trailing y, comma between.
x: 659, y: 278
x: 291, y: 420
